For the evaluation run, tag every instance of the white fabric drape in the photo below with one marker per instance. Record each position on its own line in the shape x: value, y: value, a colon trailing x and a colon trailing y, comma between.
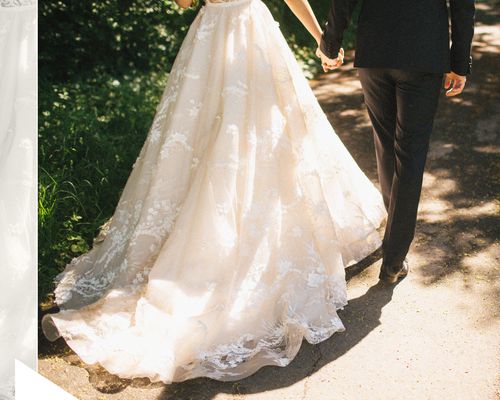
x: 229, y: 242
x: 18, y: 149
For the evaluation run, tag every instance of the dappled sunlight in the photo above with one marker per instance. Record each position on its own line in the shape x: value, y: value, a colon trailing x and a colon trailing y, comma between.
x: 433, y: 209
x: 485, y: 263
x: 337, y: 88
x: 487, y: 39
x: 451, y: 234
x: 491, y: 149
x: 474, y: 273
x: 340, y: 82
x: 440, y: 149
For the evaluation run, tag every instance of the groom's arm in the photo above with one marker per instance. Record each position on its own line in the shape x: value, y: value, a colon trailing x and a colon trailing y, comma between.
x: 462, y: 30
x: 338, y: 20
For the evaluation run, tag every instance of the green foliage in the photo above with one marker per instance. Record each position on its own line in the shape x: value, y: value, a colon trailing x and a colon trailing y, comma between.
x: 81, y: 38
x: 90, y: 133
x: 103, y: 66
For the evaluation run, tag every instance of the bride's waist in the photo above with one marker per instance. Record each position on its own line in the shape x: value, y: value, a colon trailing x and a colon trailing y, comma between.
x: 226, y: 3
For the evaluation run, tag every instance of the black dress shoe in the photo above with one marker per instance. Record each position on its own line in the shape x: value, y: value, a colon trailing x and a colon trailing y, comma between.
x: 393, y: 277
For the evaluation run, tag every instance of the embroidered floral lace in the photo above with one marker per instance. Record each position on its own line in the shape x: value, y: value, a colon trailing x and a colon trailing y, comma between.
x: 229, y: 243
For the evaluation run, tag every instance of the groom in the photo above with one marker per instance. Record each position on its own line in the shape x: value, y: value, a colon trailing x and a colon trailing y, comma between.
x: 402, y: 52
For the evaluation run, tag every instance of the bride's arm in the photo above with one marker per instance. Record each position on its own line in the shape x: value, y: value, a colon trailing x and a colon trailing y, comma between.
x: 305, y: 14
x: 184, y: 3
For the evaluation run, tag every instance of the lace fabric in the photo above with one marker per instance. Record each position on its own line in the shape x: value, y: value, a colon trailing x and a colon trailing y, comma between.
x: 229, y: 243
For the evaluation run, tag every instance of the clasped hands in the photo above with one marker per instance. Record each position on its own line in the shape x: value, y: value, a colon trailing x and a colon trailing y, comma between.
x: 329, y: 64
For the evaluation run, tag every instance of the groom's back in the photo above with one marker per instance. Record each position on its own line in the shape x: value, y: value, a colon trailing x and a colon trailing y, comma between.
x: 403, y: 34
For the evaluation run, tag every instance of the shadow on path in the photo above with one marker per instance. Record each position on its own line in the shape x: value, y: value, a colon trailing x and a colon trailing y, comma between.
x: 309, y: 359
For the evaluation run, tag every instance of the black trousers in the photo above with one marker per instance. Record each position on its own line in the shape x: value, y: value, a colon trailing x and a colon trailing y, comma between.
x: 401, y: 105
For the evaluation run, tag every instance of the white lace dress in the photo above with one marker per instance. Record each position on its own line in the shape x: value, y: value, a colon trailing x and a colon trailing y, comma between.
x: 229, y: 243
x: 18, y: 133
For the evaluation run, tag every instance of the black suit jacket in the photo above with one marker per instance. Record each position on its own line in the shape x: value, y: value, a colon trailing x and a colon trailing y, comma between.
x: 405, y: 34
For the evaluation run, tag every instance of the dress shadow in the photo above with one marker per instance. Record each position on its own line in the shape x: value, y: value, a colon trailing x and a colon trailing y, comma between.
x: 310, y: 358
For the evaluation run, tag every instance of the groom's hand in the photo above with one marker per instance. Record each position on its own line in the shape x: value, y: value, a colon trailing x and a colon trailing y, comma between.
x: 330, y: 63
x: 454, y: 84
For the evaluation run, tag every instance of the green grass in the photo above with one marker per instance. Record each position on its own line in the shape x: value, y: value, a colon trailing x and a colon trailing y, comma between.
x: 90, y: 133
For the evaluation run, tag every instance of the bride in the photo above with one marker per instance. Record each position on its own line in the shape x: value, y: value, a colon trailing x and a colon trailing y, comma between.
x: 229, y: 243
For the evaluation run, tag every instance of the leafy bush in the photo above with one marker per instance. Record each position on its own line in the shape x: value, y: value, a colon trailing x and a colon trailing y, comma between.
x: 82, y: 38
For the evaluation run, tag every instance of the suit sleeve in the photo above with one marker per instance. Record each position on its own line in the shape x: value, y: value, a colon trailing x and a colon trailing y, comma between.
x: 462, y: 31
x: 338, y: 19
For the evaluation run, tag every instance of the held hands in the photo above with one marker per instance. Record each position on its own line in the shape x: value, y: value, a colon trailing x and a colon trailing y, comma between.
x: 454, y: 84
x: 329, y: 64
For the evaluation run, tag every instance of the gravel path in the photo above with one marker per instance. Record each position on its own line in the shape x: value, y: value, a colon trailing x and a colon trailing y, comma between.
x: 435, y: 335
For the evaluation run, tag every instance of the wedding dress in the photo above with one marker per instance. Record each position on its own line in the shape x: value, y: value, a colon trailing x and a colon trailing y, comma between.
x: 18, y: 164
x: 229, y: 242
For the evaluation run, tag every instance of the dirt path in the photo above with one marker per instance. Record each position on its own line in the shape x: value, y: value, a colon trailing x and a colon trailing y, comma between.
x: 436, y: 334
